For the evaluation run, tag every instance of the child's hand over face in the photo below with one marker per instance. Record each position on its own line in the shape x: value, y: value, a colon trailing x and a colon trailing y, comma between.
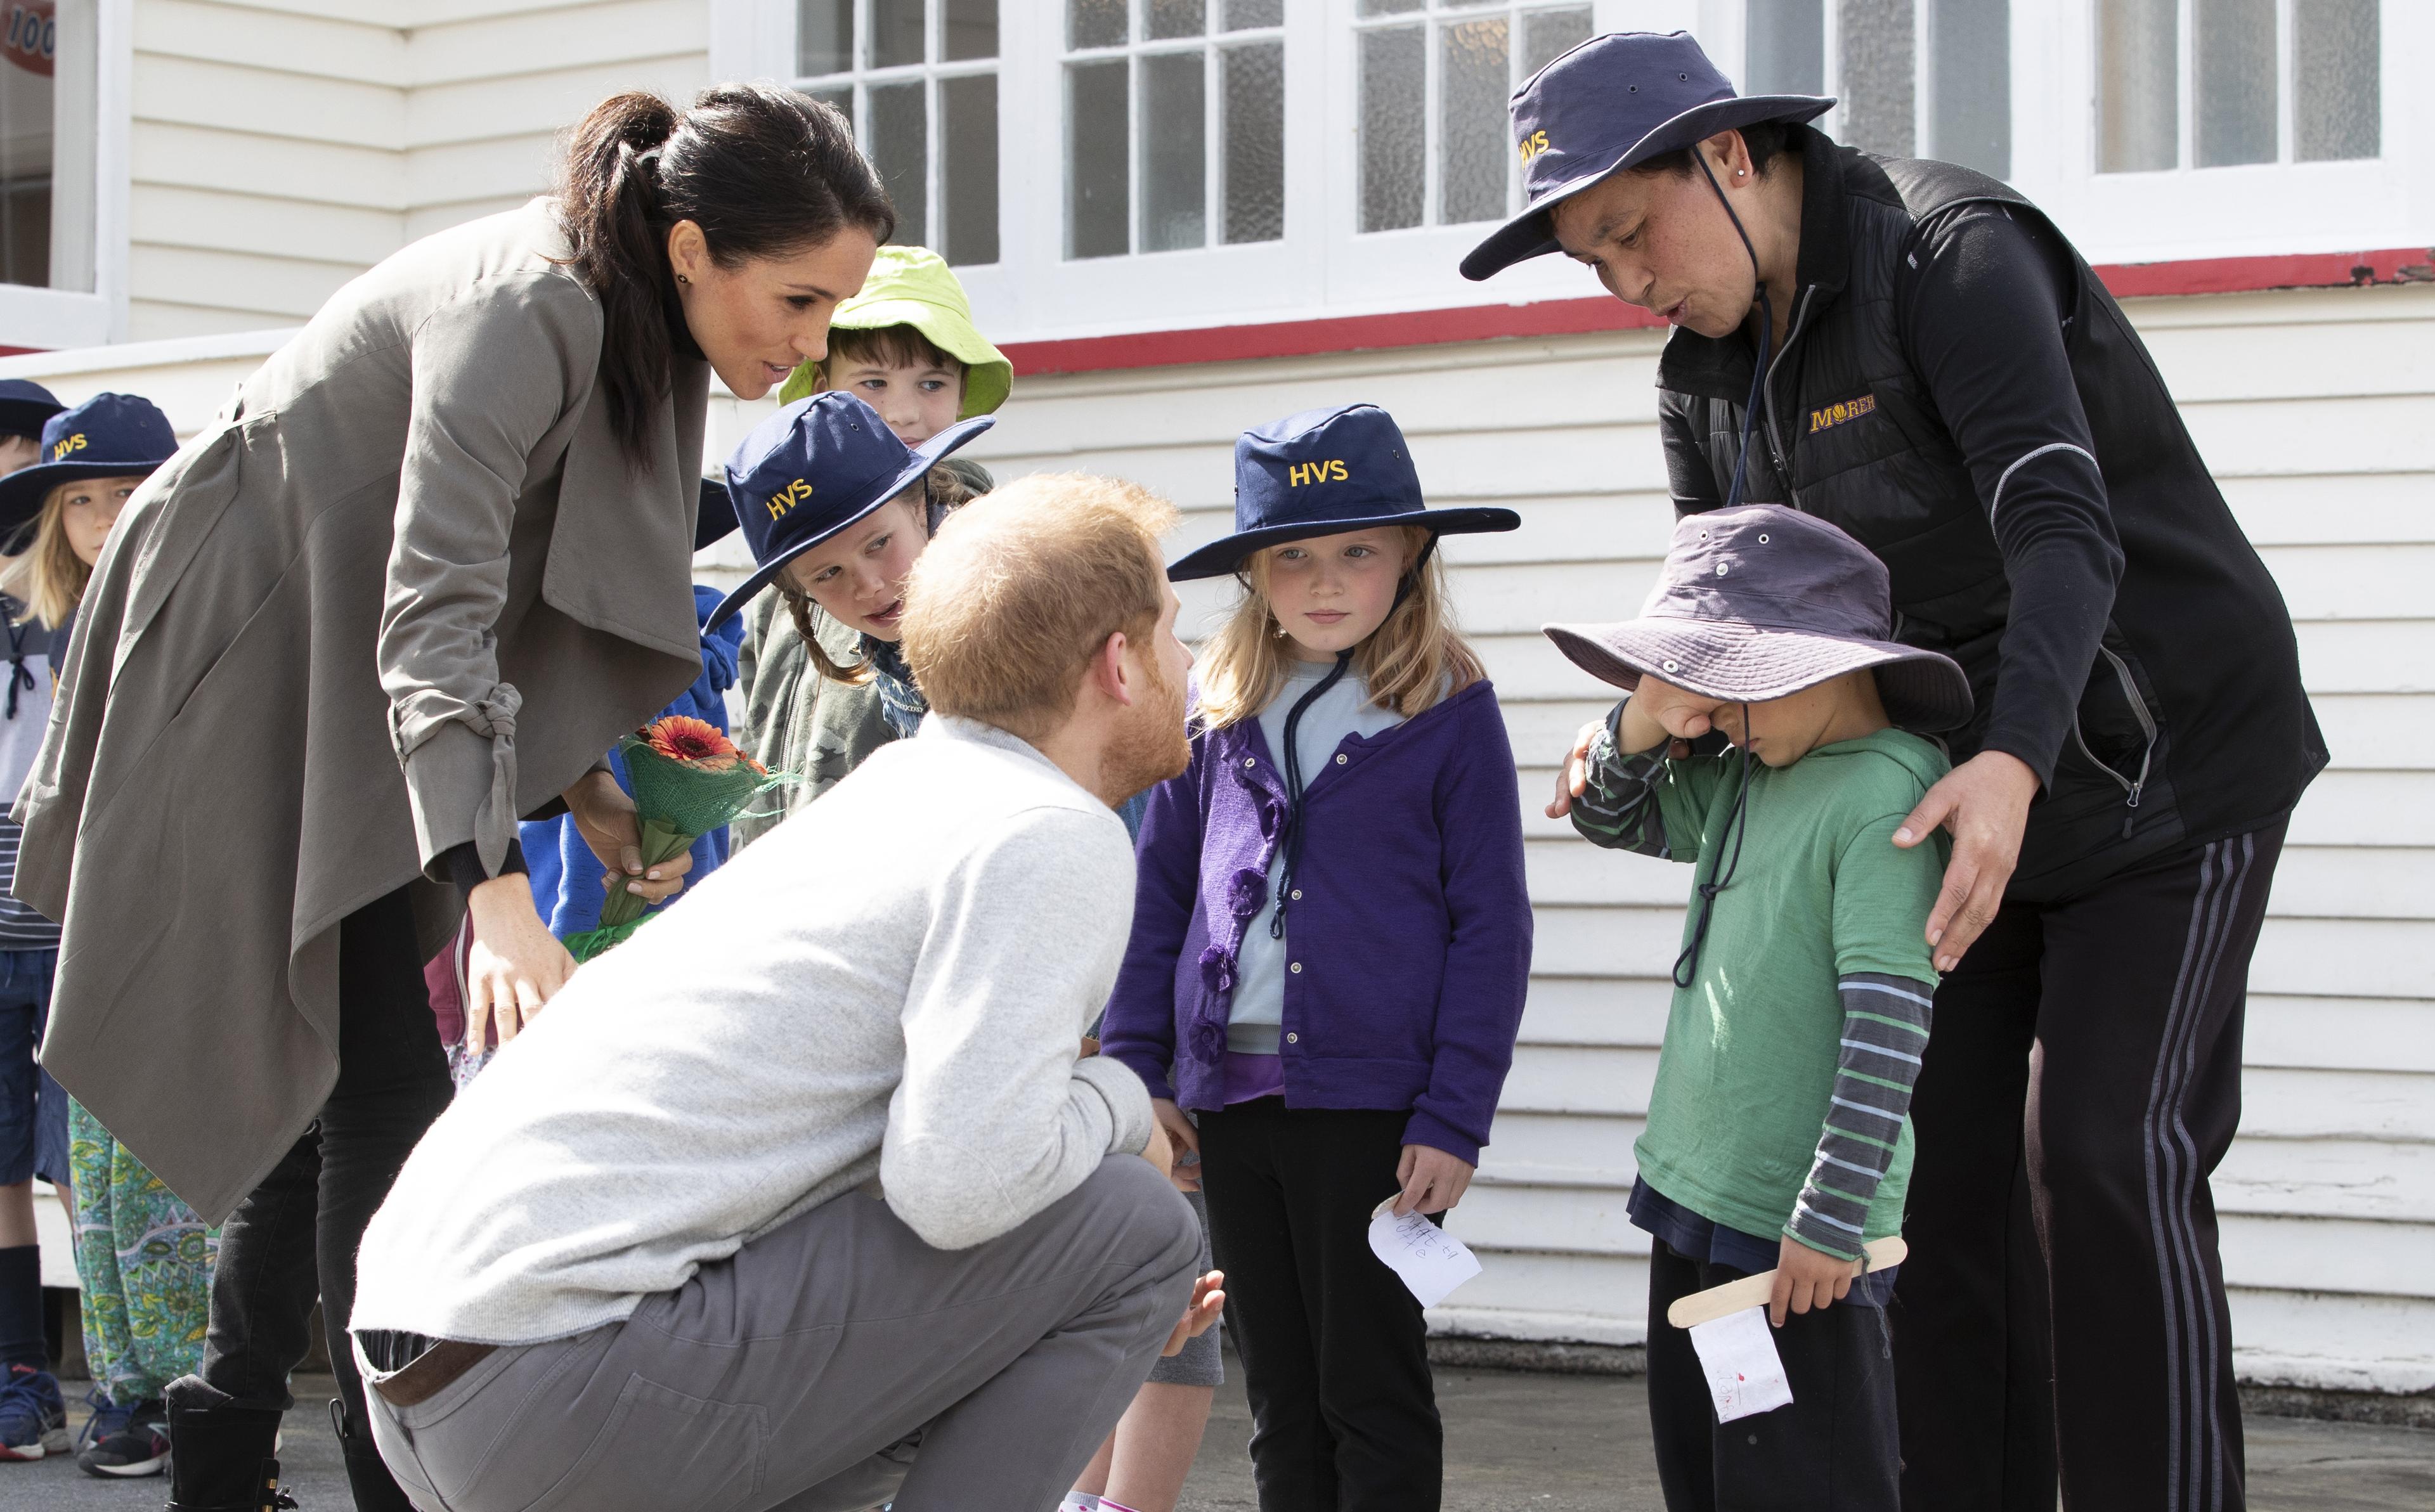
x: 1805, y: 1277
x: 1679, y: 711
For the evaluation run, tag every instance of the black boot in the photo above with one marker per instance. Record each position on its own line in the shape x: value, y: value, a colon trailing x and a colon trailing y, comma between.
x: 375, y: 1489
x: 223, y: 1459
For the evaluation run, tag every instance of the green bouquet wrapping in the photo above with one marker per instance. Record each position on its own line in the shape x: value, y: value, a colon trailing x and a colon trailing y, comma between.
x: 689, y: 779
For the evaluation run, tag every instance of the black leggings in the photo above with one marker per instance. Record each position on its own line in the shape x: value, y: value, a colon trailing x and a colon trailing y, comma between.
x: 295, y: 1236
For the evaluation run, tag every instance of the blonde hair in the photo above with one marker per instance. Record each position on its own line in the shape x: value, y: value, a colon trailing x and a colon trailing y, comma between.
x: 49, y: 577
x: 1023, y: 587
x: 1412, y: 660
x: 938, y: 487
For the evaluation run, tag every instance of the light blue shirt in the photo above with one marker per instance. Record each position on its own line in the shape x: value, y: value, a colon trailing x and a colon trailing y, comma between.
x: 1259, y: 1007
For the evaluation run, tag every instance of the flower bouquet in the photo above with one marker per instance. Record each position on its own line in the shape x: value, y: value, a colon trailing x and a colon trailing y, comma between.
x: 688, y: 780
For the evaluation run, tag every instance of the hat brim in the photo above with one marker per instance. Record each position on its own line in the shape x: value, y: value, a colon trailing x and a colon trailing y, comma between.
x: 24, y: 417
x: 1226, y: 554
x: 1742, y: 662
x: 1526, y: 235
x: 22, y: 492
x: 713, y: 518
x: 989, y: 377
x: 926, y: 457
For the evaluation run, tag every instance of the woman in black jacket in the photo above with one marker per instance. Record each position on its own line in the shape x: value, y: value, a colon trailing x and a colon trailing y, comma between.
x: 1912, y: 351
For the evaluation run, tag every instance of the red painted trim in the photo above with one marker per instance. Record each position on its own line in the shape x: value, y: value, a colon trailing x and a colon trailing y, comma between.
x: 21, y: 351
x: 1549, y: 317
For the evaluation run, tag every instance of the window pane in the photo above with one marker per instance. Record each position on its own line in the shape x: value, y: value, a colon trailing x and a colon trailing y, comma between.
x: 968, y: 171
x: 1392, y: 7
x: 1473, y: 83
x: 1097, y: 131
x: 895, y: 32
x: 900, y: 149
x: 824, y: 37
x: 1880, y: 98
x: 969, y: 29
x: 1970, y: 83
x: 1095, y: 24
x: 2336, y: 95
x: 1394, y: 125
x: 2235, y: 83
x: 1175, y: 151
x: 1253, y: 97
x: 1788, y: 48
x: 1547, y: 35
x: 2139, y: 85
x: 1178, y: 18
x: 1244, y: 14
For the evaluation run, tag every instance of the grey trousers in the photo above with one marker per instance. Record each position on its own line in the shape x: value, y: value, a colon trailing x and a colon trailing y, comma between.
x: 832, y: 1365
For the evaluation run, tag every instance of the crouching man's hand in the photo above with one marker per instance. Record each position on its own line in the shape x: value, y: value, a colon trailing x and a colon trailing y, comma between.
x: 1208, y: 1300
x: 1806, y: 1277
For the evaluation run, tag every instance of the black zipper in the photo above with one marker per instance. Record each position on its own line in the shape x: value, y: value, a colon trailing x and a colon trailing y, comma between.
x: 2132, y: 787
x: 1767, y: 398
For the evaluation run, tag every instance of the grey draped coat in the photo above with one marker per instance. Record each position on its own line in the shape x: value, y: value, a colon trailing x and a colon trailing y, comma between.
x: 405, y: 589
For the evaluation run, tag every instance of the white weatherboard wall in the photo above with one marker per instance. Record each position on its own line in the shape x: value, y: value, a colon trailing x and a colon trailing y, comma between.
x: 279, y: 147
x: 2317, y: 411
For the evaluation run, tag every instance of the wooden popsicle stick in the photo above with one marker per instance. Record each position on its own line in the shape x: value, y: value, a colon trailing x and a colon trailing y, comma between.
x: 1754, y: 1291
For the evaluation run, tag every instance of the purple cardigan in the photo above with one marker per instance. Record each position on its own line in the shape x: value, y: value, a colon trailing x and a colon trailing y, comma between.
x: 1411, y: 929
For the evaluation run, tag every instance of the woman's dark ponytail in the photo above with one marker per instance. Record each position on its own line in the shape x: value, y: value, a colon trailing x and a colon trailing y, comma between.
x: 762, y: 171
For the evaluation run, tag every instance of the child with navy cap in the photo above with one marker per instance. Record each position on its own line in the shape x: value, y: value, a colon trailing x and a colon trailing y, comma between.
x: 1331, y: 941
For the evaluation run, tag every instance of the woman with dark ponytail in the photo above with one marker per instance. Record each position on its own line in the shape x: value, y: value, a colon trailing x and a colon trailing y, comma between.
x: 428, y: 563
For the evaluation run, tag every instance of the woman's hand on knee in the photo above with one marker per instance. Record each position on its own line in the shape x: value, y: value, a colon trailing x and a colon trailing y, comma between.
x: 515, y: 965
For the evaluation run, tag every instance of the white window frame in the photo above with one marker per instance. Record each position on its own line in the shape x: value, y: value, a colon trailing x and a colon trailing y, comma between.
x: 36, y: 319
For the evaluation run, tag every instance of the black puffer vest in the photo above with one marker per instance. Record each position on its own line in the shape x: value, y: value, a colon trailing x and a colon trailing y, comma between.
x: 2192, y: 723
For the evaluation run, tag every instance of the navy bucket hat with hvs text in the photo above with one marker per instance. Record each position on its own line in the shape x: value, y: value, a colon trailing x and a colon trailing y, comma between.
x: 109, y: 435
x: 1609, y: 104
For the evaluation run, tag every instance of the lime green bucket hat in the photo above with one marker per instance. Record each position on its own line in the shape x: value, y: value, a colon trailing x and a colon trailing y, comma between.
x: 913, y: 286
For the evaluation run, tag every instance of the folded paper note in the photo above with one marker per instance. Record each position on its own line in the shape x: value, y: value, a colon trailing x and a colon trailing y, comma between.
x: 1745, y: 1374
x: 1431, y: 1261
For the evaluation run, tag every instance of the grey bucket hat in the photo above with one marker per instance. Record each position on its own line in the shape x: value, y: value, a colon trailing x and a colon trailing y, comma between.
x: 1761, y: 602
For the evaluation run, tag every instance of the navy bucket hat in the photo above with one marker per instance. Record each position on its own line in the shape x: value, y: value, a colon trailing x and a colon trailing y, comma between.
x: 109, y: 435
x: 1609, y: 104
x: 1323, y: 473
x: 815, y: 467
x: 1761, y: 602
x: 24, y: 405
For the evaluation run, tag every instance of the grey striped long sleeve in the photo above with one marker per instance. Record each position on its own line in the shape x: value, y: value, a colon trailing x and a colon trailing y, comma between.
x: 1885, y: 1033
x: 1618, y: 808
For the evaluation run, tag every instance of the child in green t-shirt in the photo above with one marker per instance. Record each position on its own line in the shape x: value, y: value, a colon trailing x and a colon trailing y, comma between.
x: 1778, y: 1134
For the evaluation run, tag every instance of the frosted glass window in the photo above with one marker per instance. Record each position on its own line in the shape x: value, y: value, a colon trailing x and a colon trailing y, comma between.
x: 1177, y: 18
x: 2139, y: 85
x: 48, y: 112
x: 1879, y: 87
x: 1255, y: 104
x: 824, y: 37
x: 1473, y: 83
x: 896, y: 33
x: 1176, y: 142
x: 1175, y: 152
x: 1547, y: 35
x: 1394, y: 126
x: 1098, y: 206
x: 927, y: 123
x: 1784, y: 52
x: 1393, y: 8
x: 1095, y: 23
x: 968, y: 28
x: 900, y: 149
x: 2337, y: 84
x: 2236, y: 77
x: 968, y: 167
x: 1970, y: 84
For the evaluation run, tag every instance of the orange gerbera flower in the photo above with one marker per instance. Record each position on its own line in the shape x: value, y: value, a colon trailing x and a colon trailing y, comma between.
x: 683, y: 738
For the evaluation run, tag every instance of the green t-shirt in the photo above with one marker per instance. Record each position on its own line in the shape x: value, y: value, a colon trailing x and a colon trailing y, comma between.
x: 1750, y: 1046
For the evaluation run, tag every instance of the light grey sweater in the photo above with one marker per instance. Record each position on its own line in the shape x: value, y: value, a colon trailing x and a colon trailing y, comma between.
x: 891, y: 982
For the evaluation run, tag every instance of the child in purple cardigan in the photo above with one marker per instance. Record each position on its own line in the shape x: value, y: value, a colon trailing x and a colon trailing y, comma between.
x: 1331, y: 943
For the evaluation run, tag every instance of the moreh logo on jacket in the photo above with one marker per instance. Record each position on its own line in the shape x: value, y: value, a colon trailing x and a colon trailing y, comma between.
x: 1837, y: 414
x: 1302, y: 473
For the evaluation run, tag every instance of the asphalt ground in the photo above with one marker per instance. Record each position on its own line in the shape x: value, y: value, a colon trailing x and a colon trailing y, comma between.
x: 1516, y: 1442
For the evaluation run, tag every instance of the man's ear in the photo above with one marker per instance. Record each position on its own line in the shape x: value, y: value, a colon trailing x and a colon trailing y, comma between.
x: 1109, y: 673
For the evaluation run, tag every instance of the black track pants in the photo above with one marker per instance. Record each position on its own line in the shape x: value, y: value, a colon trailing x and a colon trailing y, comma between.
x: 1335, y: 1350
x: 2063, y: 1299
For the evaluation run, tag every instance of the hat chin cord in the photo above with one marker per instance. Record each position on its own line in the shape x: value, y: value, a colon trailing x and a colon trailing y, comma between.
x: 1766, y: 334
x: 1720, y: 871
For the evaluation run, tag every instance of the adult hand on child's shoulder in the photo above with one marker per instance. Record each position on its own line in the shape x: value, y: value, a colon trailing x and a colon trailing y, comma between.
x: 1985, y: 802
x: 1432, y: 1180
x: 1806, y: 1277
